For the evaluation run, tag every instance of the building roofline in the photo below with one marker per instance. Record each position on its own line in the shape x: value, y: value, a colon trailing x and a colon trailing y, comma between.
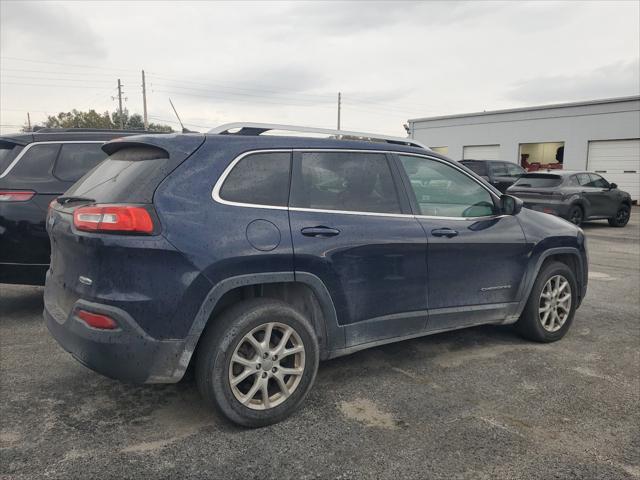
x: 527, y: 109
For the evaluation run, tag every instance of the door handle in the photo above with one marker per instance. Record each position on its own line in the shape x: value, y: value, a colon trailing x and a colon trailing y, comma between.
x: 319, y: 231
x: 444, y: 232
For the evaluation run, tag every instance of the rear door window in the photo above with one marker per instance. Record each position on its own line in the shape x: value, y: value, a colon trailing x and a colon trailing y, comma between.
x: 584, y: 179
x: 514, y: 170
x: 259, y: 179
x: 477, y: 167
x: 499, y: 169
x: 36, y: 163
x: 347, y: 181
x: 8, y: 152
x: 76, y: 159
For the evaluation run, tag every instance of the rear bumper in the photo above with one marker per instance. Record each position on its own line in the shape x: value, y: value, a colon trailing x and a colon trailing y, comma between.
x: 23, y: 273
x: 126, y: 354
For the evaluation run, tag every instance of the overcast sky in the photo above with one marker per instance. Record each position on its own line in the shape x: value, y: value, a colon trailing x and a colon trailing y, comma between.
x: 285, y: 62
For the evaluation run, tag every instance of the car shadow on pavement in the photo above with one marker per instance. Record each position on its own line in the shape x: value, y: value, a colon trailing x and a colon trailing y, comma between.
x: 20, y: 301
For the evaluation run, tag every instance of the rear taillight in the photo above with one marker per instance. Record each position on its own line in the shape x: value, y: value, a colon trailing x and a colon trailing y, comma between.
x: 97, y: 320
x: 16, y: 195
x: 113, y: 218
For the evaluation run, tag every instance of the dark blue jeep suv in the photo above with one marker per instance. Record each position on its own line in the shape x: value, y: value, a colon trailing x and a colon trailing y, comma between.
x: 252, y: 257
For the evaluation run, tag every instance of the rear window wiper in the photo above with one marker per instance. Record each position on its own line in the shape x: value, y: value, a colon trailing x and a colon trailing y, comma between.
x: 69, y: 199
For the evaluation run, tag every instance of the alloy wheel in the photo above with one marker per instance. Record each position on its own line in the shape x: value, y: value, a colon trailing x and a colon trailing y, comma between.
x: 555, y: 303
x: 576, y: 216
x: 622, y: 216
x: 267, y: 366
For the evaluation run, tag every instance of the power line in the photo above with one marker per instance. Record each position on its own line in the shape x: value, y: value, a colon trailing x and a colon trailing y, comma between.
x: 58, y: 72
x: 223, y: 85
x: 260, y: 99
x: 100, y: 67
x: 223, y: 94
x: 56, y: 79
x: 49, y: 85
x: 298, y: 97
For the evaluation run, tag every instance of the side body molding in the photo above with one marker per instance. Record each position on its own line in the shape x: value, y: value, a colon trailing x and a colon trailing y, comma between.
x: 334, y: 335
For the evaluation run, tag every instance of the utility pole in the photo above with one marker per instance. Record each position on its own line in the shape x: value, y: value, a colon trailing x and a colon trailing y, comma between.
x: 28, y: 122
x: 339, y: 105
x: 121, y: 117
x: 144, y: 102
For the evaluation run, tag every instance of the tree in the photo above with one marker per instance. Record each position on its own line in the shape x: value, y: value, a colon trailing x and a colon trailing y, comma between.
x: 78, y: 119
x: 92, y: 119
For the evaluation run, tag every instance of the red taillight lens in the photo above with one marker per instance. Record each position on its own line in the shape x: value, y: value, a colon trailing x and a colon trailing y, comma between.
x: 97, y: 320
x: 16, y: 195
x: 113, y: 218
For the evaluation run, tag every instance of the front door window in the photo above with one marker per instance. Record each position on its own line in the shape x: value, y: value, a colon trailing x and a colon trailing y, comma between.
x: 444, y: 191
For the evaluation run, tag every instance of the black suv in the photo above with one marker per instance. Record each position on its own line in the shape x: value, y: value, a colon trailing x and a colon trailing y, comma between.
x: 498, y: 173
x: 35, y: 168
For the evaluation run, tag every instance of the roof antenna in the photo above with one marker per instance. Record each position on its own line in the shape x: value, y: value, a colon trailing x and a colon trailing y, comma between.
x: 184, y: 130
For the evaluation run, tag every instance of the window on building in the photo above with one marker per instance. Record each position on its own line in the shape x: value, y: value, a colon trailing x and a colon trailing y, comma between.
x: 259, y: 179
x: 356, y: 182
x: 537, y: 156
x: 441, y: 150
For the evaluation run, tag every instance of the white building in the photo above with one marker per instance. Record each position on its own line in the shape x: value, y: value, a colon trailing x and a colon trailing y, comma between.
x: 600, y: 135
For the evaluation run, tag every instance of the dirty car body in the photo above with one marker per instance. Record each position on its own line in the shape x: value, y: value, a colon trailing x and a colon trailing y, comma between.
x: 362, y: 275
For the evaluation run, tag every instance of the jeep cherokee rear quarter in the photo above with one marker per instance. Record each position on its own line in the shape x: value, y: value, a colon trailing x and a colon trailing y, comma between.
x: 268, y: 253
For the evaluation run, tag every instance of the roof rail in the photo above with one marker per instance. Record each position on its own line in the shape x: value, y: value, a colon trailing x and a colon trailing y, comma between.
x: 250, y: 128
x: 87, y: 130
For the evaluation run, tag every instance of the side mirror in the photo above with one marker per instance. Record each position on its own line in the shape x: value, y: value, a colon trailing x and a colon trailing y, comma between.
x: 612, y: 186
x: 510, y: 205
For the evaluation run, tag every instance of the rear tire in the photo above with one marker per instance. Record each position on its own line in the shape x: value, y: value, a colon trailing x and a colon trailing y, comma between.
x: 622, y: 216
x: 576, y: 215
x: 242, y: 372
x: 549, y: 313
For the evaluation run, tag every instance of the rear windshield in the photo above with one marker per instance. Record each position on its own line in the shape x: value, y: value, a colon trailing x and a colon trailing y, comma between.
x: 8, y: 152
x: 537, y: 180
x: 129, y: 175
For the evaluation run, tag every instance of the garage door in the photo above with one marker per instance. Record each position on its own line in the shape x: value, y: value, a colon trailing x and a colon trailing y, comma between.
x: 619, y: 162
x: 481, y: 152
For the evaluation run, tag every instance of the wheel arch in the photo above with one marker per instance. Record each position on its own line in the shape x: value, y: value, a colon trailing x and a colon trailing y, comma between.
x: 570, y: 256
x: 304, y: 291
x: 579, y: 202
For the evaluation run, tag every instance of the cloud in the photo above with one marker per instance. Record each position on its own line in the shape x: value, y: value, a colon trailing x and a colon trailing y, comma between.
x: 352, y: 17
x: 613, y: 80
x: 282, y: 78
x: 49, y: 30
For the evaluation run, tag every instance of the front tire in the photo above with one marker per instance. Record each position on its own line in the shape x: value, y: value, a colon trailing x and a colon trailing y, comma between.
x: 622, y: 217
x: 257, y: 362
x: 551, y: 306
